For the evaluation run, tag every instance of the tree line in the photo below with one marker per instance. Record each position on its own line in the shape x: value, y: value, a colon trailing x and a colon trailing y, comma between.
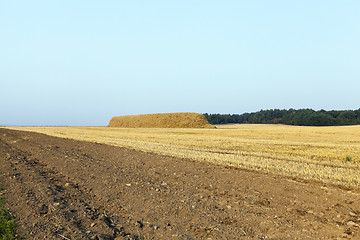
x: 300, y: 117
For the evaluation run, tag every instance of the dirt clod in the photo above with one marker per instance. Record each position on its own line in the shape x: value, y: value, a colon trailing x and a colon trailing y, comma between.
x: 139, y: 224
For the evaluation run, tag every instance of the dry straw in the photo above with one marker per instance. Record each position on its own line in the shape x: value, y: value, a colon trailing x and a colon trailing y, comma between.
x: 325, y: 154
x: 161, y: 120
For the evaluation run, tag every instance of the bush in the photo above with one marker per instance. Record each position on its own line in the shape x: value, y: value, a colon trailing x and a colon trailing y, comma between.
x: 7, y: 226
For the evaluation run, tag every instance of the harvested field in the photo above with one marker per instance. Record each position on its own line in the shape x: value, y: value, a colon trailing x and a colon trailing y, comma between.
x: 162, y: 120
x: 324, y: 154
x: 65, y: 189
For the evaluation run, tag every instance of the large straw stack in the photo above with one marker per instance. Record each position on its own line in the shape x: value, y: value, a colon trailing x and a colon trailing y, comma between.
x: 161, y: 120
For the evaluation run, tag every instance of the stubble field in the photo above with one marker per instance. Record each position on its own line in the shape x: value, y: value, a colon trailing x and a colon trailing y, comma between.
x: 325, y: 154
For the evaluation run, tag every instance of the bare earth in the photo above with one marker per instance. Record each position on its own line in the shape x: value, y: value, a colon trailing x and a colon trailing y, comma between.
x: 66, y: 189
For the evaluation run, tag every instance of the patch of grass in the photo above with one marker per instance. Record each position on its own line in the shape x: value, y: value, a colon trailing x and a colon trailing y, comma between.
x: 7, y: 225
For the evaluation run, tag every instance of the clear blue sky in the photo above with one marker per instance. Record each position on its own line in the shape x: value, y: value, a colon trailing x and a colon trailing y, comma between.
x: 82, y: 62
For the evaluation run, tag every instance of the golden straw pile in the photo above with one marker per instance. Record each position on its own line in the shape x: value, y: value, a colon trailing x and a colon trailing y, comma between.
x: 161, y: 120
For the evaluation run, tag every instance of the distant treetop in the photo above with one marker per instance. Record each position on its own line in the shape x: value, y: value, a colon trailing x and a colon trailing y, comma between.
x: 301, y: 117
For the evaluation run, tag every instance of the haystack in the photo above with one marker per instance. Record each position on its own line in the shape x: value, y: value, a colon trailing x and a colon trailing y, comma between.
x: 162, y: 120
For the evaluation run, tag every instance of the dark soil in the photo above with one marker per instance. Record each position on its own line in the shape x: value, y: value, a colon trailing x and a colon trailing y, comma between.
x: 65, y: 189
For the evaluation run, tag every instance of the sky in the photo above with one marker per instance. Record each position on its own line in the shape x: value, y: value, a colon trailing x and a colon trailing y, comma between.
x: 79, y: 63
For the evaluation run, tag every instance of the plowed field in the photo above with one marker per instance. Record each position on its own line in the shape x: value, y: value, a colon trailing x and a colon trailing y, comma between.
x: 65, y: 189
